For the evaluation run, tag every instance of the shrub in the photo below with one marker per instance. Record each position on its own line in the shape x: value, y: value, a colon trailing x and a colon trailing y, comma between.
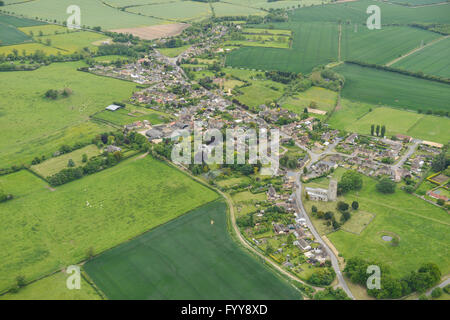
x: 436, y: 293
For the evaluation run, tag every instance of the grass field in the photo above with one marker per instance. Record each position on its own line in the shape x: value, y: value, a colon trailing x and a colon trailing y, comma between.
x: 356, y: 117
x: 29, y: 48
x: 179, y: 11
x: 261, y: 92
x: 45, y: 30
x: 9, y: 30
x: 388, y: 88
x: 313, y: 44
x: 192, y: 257
x: 42, y: 231
x: 173, y: 52
x: 53, y: 288
x: 381, y: 46
x: 430, y: 60
x: 54, y: 165
x: 93, y: 13
x: 122, y: 116
x: 325, y: 100
x: 74, y: 41
x: 32, y: 125
x: 423, y: 230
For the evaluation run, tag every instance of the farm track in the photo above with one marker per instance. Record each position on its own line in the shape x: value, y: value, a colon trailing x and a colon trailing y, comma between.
x: 416, y: 50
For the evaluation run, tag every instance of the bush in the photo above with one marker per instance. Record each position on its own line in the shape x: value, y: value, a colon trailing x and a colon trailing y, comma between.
x: 436, y: 293
x: 355, y: 205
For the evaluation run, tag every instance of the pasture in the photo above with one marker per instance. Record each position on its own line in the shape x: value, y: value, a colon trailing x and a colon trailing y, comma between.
x: 325, y: 100
x: 229, y: 9
x: 392, y: 89
x: 179, y: 11
x: 74, y: 41
x: 132, y: 114
x: 422, y: 228
x: 173, y: 52
x: 42, y: 230
x: 29, y: 48
x: 54, y: 288
x: 430, y: 60
x: 9, y: 32
x: 54, y: 165
x: 260, y: 92
x: 357, y: 117
x: 32, y: 125
x: 192, y: 257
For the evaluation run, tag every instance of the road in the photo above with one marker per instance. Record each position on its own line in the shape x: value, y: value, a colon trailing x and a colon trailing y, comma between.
x: 407, y: 154
x: 441, y: 285
x: 334, y: 260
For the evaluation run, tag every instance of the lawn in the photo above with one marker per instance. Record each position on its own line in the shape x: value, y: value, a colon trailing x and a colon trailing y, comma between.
x: 192, y: 257
x: 422, y: 228
x: 430, y: 60
x: 325, y: 100
x: 32, y: 125
x: 55, y: 165
x: 42, y: 231
x: 54, y: 288
x: 247, y: 196
x: 389, y: 88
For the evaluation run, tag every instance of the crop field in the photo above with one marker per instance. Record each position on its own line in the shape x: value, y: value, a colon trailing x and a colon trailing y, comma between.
x: 381, y: 46
x: 313, y: 44
x: 54, y: 165
x: 355, y: 12
x: 155, y: 32
x: 32, y: 125
x: 422, y: 228
x: 93, y: 13
x: 274, y: 4
x: 53, y: 288
x: 430, y: 60
x: 43, y: 231
x: 29, y: 48
x: 179, y: 11
x: 388, y: 88
x: 227, y: 9
x: 132, y: 114
x: 325, y: 100
x: 357, y: 117
x: 9, y: 32
x: 177, y: 259
x: 45, y: 30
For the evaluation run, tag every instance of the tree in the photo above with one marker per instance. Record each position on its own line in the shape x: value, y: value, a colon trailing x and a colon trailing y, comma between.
x: 342, y: 206
x: 71, y: 163
x: 439, y: 162
x: 440, y: 202
x: 372, y: 130
x: 377, y: 130
x: 351, y: 180
x: 355, y: 205
x: 314, y: 209
x: 84, y: 158
x: 386, y: 185
x: 383, y: 131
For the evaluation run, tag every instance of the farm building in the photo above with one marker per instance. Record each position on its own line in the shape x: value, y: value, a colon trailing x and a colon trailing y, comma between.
x: 113, y: 107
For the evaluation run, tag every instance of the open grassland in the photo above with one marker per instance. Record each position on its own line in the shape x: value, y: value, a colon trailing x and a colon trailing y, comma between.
x: 313, y: 44
x: 53, y: 288
x: 260, y: 92
x: 32, y: 125
x: 29, y: 48
x: 422, y: 228
x: 192, y: 257
x: 93, y: 13
x: 54, y: 165
x: 173, y: 52
x: 227, y: 9
x: 381, y: 46
x: 19, y: 22
x: 274, y: 4
x: 357, y: 117
x: 178, y: 11
x: 45, y: 30
x: 430, y: 60
x: 42, y: 231
x: 325, y: 100
x: 74, y: 41
x: 389, y: 88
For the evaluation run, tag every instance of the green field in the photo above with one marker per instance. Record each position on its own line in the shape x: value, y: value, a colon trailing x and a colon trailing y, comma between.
x: 74, y: 41
x: 178, y: 11
x: 356, y: 117
x: 430, y: 60
x: 9, y: 32
x: 132, y: 114
x: 55, y: 165
x: 192, y: 257
x: 29, y: 48
x: 313, y: 44
x: 261, y: 92
x: 381, y: 46
x: 31, y: 125
x: 42, y: 230
x: 93, y: 13
x: 173, y: 52
x: 325, y: 100
x: 389, y: 88
x: 53, y: 288
x: 228, y: 9
x: 422, y: 228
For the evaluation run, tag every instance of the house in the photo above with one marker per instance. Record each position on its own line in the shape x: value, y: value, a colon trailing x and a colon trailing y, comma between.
x: 112, y: 149
x: 302, y: 244
x: 113, y: 107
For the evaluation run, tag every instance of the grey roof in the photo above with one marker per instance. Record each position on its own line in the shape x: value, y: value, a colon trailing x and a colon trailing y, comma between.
x: 113, y: 107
